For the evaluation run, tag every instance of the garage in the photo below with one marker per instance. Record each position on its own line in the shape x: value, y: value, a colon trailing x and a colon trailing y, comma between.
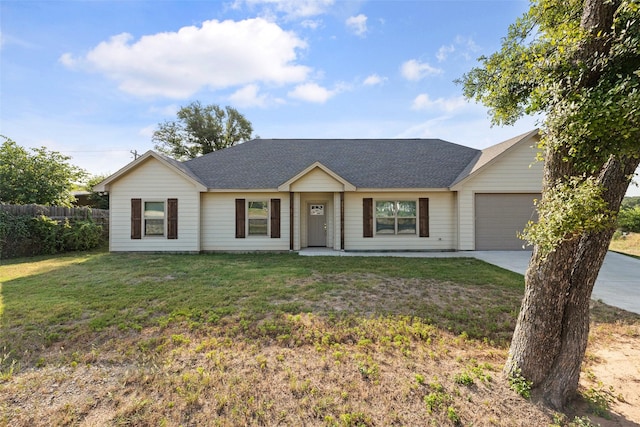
x: 499, y: 218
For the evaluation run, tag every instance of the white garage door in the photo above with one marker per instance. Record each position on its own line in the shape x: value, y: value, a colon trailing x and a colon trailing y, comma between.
x: 499, y: 218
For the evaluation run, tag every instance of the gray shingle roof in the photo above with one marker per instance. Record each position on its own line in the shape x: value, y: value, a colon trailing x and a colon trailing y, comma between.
x: 365, y: 163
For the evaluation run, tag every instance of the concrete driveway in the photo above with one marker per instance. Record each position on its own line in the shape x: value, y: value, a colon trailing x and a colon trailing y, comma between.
x: 618, y: 282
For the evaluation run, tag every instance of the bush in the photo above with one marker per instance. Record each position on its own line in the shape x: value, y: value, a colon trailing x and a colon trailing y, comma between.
x: 629, y: 219
x: 27, y: 236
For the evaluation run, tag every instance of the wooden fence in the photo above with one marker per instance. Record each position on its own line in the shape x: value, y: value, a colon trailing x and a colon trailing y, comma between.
x: 101, y: 216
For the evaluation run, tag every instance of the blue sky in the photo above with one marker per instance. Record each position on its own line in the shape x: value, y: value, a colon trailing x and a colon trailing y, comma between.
x: 92, y: 79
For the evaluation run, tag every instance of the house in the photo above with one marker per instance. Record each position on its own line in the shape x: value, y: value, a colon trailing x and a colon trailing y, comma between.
x: 352, y: 195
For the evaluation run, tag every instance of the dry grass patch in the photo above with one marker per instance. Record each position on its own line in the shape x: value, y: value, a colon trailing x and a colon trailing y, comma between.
x: 628, y: 244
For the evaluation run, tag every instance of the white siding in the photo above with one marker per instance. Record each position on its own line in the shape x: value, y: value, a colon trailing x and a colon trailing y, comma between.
x: 442, y: 224
x: 516, y: 171
x: 316, y: 180
x: 153, y: 181
x: 219, y: 223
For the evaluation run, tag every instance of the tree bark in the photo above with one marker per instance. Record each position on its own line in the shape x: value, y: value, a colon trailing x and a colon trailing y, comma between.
x: 551, y: 335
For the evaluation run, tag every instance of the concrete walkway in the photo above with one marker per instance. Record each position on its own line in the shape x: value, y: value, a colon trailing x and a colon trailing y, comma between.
x: 618, y: 282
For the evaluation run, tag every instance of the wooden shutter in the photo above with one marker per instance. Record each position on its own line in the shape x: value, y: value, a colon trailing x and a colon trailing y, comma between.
x: 275, y: 218
x: 172, y: 218
x: 291, y: 202
x: 240, y: 219
x: 367, y: 217
x: 423, y: 223
x: 136, y: 218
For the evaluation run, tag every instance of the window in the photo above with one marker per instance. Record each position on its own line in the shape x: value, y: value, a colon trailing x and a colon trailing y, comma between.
x: 395, y: 217
x: 258, y: 217
x: 154, y: 218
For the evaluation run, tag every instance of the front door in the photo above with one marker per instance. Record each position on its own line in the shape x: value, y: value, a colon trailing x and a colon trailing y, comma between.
x: 317, y: 228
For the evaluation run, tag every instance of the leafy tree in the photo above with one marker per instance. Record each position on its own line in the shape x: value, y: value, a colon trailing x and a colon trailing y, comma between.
x: 97, y: 199
x: 41, y: 176
x: 575, y: 62
x: 629, y: 219
x: 200, y: 130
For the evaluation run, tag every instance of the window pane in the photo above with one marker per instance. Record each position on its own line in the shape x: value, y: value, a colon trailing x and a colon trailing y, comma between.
x: 406, y: 209
x: 258, y: 213
x: 154, y: 209
x: 385, y: 209
x: 406, y: 226
x: 385, y: 226
x: 154, y: 218
x: 154, y: 227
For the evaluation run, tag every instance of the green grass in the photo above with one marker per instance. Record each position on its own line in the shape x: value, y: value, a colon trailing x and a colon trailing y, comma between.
x: 48, y: 299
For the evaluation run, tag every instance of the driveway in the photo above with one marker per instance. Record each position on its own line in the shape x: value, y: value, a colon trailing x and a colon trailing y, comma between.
x: 618, y: 282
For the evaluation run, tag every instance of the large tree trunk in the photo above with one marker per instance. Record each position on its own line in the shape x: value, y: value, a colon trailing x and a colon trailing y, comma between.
x: 550, y: 338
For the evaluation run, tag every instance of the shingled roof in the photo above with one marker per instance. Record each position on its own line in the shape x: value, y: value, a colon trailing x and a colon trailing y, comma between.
x: 365, y: 163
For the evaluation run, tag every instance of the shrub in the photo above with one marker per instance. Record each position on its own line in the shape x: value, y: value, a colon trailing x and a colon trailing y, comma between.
x: 629, y: 219
x: 28, y: 236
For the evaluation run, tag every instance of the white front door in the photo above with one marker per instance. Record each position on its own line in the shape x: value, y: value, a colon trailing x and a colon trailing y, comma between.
x: 317, y: 225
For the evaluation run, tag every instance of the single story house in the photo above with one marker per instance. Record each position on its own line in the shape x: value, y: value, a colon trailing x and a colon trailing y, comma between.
x: 351, y: 195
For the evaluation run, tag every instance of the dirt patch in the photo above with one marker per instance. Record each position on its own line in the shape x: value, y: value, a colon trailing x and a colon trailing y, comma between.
x: 612, y: 370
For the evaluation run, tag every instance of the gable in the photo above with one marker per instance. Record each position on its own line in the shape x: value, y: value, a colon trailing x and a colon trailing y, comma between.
x: 316, y: 177
x: 164, y: 165
x: 515, y: 169
x: 152, y: 176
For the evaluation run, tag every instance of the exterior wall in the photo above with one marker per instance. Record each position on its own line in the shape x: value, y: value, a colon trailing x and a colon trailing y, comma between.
x: 516, y: 171
x: 153, y: 181
x: 218, y: 219
x: 442, y: 224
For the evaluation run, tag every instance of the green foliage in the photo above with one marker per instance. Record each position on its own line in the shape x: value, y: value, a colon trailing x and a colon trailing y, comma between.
x: 200, y: 130
x: 41, y: 177
x: 520, y: 384
x: 98, y: 200
x: 629, y: 219
x: 27, y: 236
x: 567, y: 210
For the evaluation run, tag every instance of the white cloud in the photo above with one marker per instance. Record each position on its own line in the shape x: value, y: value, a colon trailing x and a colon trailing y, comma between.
x: 415, y: 70
x: 444, y: 52
x: 215, y: 55
x: 423, y: 102
x: 312, y: 92
x: 312, y: 24
x: 374, y: 80
x: 290, y: 8
x: 248, y: 96
x: 465, y: 47
x: 357, y: 24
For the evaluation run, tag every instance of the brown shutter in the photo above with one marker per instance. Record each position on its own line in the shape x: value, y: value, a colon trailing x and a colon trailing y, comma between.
x: 423, y: 208
x: 342, y: 221
x: 136, y: 218
x: 367, y: 217
x: 240, y: 219
x: 275, y: 218
x: 172, y: 218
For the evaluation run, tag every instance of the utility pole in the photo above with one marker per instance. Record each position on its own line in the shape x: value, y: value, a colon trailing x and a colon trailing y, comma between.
x: 135, y: 154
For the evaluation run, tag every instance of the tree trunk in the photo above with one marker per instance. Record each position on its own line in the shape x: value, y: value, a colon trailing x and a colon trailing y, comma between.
x: 550, y: 338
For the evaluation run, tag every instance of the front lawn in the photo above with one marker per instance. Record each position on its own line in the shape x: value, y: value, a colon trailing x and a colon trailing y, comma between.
x: 136, y: 339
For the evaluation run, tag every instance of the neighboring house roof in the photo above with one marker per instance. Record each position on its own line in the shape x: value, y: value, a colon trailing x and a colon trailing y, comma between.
x: 364, y: 163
